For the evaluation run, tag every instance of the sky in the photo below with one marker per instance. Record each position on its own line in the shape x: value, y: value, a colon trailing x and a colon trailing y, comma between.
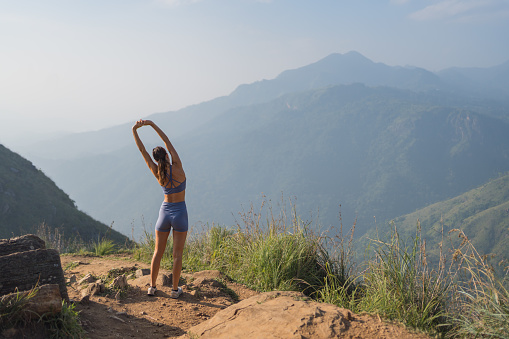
x: 80, y: 65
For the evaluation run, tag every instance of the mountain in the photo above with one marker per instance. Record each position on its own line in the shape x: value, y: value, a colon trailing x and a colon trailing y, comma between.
x: 28, y: 198
x: 379, y: 152
x: 482, y: 213
x: 335, y: 69
x: 402, y: 140
x: 492, y: 82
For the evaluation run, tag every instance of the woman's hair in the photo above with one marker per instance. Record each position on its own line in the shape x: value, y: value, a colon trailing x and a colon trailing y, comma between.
x: 159, y: 154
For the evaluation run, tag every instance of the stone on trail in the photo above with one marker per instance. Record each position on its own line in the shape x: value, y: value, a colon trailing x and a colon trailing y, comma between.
x: 93, y: 289
x: 87, y: 279
x: 119, y: 282
x: 142, y: 271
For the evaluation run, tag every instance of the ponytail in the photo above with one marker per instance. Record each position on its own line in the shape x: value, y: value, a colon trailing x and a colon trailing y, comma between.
x: 159, y: 154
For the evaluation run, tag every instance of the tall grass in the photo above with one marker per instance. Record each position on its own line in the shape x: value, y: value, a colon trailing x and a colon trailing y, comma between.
x: 482, y: 299
x: 400, y: 284
x: 54, y: 238
x: 265, y: 251
x: 340, y: 286
x: 457, y: 296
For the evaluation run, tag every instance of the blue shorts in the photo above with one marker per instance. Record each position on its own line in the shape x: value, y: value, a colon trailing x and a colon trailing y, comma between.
x: 172, y: 214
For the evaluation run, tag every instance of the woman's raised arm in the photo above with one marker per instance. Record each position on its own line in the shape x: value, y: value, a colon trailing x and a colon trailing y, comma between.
x: 150, y: 163
x: 175, y: 159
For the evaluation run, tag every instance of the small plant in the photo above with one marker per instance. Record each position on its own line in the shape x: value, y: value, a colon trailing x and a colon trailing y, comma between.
x: 11, y: 308
x: 65, y: 324
x: 62, y: 325
x: 72, y: 265
x: 104, y: 247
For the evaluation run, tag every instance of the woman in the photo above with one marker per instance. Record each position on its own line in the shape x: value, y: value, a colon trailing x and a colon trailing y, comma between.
x: 173, y: 212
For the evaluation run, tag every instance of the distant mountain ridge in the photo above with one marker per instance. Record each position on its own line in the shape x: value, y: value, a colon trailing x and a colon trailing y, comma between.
x: 376, y: 151
x: 335, y: 69
x: 28, y: 198
x: 490, y: 82
x: 384, y: 149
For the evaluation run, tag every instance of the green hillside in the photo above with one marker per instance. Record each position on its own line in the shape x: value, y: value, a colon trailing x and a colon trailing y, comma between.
x: 482, y: 214
x: 28, y: 198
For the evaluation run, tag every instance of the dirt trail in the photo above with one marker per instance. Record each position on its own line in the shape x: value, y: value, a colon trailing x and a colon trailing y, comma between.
x: 136, y: 315
x: 133, y: 314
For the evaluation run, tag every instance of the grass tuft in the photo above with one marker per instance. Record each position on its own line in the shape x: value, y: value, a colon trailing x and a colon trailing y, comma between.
x: 104, y: 247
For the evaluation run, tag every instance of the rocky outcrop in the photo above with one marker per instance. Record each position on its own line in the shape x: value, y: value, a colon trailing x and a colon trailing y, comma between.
x: 27, y: 242
x: 292, y: 315
x: 26, y: 263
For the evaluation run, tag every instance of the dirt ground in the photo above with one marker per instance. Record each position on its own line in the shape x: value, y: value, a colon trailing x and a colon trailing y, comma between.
x: 133, y: 314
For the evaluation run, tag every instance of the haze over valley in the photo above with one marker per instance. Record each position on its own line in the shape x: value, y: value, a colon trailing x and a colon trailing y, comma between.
x: 380, y: 141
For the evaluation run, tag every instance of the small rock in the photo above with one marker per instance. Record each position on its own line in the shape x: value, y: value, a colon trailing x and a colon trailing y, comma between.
x: 142, y: 271
x: 206, y: 281
x: 85, y: 299
x: 143, y: 313
x: 93, y: 289
x: 87, y: 279
x: 73, y: 279
x: 119, y: 282
x: 168, y: 279
x: 117, y: 318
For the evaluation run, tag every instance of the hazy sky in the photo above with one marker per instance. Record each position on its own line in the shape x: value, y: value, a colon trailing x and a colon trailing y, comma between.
x: 75, y: 65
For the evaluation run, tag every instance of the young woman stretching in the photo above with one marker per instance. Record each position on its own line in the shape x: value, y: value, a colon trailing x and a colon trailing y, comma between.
x: 173, y: 212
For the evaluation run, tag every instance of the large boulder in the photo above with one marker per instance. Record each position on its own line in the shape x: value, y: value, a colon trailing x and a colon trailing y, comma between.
x: 292, y: 315
x: 26, y: 263
x: 24, y: 243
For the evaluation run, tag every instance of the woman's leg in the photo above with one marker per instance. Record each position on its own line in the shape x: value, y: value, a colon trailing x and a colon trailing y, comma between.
x: 179, y: 240
x: 161, y: 239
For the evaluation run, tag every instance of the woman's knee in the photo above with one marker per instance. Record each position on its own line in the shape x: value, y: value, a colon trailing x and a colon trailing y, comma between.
x: 177, y: 255
x: 158, y: 253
